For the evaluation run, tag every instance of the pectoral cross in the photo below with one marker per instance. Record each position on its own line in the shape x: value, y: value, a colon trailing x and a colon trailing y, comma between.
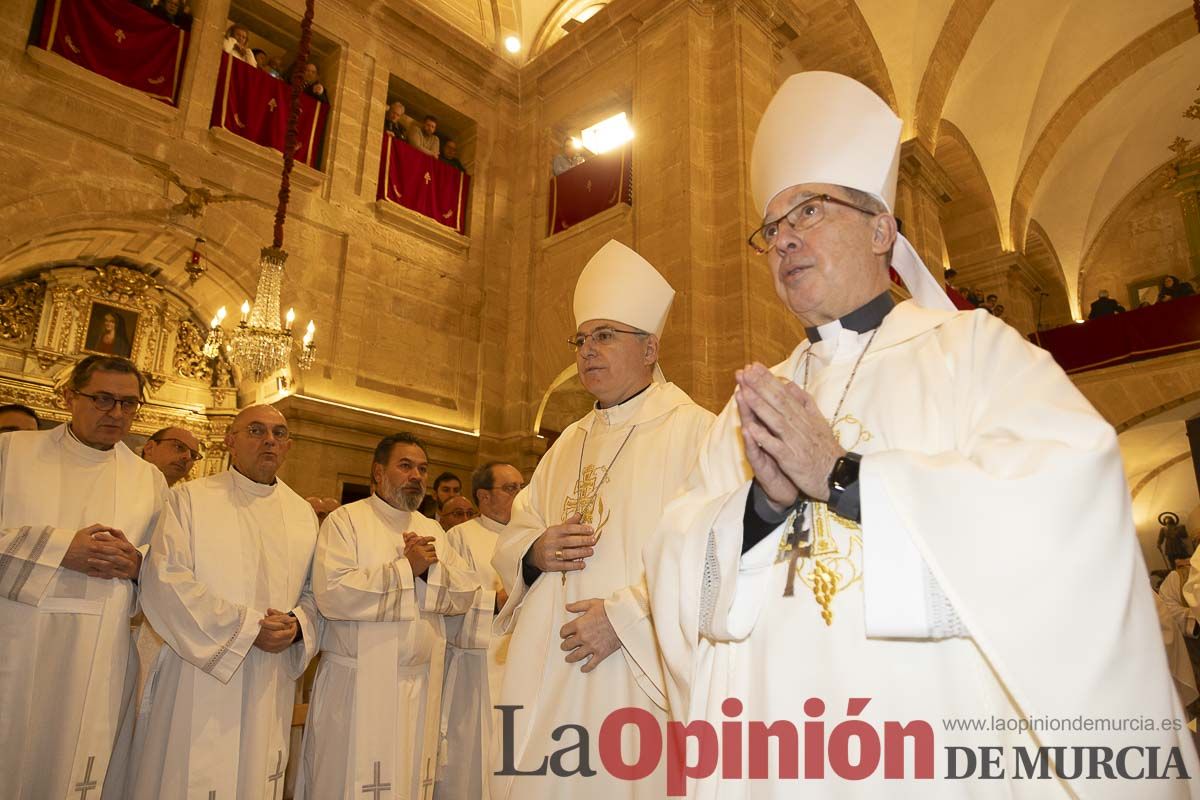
x: 274, y: 779
x: 799, y: 543
x: 87, y: 784
x: 378, y: 787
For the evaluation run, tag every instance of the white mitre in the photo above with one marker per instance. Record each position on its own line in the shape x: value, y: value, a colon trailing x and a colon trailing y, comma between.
x: 822, y: 127
x: 620, y: 285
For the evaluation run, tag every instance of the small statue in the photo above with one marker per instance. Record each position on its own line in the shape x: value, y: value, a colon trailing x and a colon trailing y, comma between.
x: 223, y: 374
x: 1173, y: 540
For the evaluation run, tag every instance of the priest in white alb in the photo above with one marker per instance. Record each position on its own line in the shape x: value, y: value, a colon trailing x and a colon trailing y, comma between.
x: 473, y: 677
x: 75, y: 503
x: 385, y: 581
x: 583, y: 642
x: 226, y: 586
x: 915, y: 519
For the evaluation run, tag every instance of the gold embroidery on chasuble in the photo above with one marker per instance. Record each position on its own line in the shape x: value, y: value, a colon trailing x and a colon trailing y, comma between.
x: 585, y: 499
x: 827, y: 558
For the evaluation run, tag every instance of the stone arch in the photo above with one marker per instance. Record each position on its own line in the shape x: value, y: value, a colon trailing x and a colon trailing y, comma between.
x: 551, y: 31
x: 970, y: 222
x: 1167, y: 35
x: 845, y: 45
x: 962, y: 21
x: 1040, y: 253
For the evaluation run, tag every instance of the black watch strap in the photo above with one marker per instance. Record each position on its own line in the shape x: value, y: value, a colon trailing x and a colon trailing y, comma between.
x: 844, y: 495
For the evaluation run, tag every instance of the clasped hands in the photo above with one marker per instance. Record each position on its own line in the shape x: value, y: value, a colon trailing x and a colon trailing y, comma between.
x: 100, y: 551
x: 420, y: 552
x: 789, y: 443
x: 277, y: 631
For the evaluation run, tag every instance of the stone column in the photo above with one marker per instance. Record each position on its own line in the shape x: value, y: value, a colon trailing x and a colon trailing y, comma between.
x: 923, y: 188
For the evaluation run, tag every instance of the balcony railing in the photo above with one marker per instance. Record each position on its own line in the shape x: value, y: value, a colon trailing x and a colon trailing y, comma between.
x: 595, y: 185
x: 254, y: 105
x: 1156, y: 330
x: 118, y: 40
x: 419, y: 182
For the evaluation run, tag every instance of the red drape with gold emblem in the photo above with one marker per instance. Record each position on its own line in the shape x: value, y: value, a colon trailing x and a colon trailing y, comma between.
x: 254, y: 105
x: 589, y: 188
x: 418, y: 181
x: 1156, y: 330
x: 118, y: 40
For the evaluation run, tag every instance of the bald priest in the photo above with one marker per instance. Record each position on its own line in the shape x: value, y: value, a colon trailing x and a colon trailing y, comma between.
x: 914, y: 523
x: 226, y: 585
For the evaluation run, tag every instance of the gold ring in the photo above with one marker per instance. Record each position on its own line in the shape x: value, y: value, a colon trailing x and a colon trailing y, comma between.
x: 558, y: 555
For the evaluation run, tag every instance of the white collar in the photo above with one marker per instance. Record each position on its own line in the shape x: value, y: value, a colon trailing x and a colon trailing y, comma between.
x: 252, y: 487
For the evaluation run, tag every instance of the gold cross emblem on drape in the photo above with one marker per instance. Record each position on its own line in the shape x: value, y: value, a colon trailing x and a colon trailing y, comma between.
x: 271, y: 104
x: 119, y: 35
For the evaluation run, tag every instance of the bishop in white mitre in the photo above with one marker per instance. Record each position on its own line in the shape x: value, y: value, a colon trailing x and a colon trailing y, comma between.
x: 226, y: 586
x: 385, y: 582
x: 877, y: 528
x: 583, y: 643
x: 473, y: 677
x: 75, y: 502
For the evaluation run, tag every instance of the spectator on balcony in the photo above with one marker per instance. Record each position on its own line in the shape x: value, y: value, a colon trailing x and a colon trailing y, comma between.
x: 176, y: 12
x: 450, y: 155
x: 1104, y: 306
x: 956, y: 296
x: 237, y: 44
x: 424, y: 136
x: 989, y: 303
x: 312, y: 84
x: 973, y: 297
x: 571, y: 156
x: 395, y: 122
x: 998, y: 311
x: 267, y: 63
x: 1171, y: 288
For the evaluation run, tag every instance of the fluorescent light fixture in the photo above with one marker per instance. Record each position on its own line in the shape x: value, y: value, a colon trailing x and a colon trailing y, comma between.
x: 607, y: 134
x: 512, y: 44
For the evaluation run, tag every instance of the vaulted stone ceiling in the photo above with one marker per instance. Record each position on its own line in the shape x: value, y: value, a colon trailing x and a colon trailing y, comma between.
x: 1065, y: 105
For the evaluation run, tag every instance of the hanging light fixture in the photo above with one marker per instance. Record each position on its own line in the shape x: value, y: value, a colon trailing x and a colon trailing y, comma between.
x: 261, y: 344
x: 195, y: 266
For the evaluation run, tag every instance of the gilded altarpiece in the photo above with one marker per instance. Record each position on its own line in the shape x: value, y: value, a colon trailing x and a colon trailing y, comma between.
x: 44, y: 331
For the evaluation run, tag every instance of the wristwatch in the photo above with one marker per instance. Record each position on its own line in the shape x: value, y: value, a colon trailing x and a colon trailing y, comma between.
x: 842, y: 477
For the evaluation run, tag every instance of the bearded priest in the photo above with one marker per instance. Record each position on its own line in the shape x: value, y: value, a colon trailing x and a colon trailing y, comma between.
x: 830, y: 569
x: 571, y: 557
x: 385, y: 581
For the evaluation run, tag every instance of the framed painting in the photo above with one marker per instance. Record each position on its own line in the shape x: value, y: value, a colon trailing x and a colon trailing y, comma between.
x: 110, y: 330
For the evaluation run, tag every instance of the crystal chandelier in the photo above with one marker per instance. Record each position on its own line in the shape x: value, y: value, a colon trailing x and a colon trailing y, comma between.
x: 260, y: 344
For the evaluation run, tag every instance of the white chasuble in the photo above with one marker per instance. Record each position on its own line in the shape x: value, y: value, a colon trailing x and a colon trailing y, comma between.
x: 374, y: 718
x: 216, y: 721
x: 472, y: 678
x: 995, y: 573
x: 69, y: 668
x: 618, y: 467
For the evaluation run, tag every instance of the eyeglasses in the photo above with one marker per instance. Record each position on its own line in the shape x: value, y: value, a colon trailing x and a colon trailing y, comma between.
x: 804, y: 216
x: 180, y: 447
x: 603, y: 337
x: 511, y: 488
x: 256, y: 430
x: 106, y: 402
